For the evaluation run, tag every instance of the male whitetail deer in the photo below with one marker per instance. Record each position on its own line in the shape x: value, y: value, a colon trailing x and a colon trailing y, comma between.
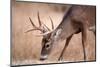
x: 77, y: 19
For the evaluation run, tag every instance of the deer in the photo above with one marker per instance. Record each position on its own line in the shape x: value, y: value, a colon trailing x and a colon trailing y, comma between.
x: 78, y: 18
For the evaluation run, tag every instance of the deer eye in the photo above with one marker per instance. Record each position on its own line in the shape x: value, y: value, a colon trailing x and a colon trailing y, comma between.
x: 47, y: 45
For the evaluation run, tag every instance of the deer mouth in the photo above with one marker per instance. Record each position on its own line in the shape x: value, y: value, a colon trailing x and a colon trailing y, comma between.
x: 43, y: 57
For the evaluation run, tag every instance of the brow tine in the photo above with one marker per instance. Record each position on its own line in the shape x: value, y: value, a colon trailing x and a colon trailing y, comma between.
x: 51, y: 23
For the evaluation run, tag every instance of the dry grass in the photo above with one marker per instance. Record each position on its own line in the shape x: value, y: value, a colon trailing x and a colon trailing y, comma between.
x: 26, y: 47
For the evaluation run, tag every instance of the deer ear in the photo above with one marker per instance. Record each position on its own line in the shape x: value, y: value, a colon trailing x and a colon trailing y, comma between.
x: 58, y: 32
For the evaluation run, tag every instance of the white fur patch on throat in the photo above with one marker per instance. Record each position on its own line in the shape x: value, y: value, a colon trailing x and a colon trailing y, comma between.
x: 58, y: 33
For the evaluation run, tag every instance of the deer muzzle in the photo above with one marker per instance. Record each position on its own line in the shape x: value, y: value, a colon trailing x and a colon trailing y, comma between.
x: 43, y: 57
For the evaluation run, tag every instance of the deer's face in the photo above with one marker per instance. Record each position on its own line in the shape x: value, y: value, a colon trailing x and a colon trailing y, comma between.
x: 46, y: 46
x: 47, y: 43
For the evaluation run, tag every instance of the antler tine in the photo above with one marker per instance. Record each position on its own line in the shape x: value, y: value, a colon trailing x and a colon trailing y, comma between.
x: 46, y: 27
x: 39, y: 19
x: 33, y: 30
x: 51, y: 23
x: 43, y: 34
x: 32, y: 23
x: 36, y: 28
x: 40, y: 23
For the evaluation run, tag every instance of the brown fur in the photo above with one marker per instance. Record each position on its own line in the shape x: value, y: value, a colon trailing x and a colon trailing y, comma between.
x: 77, y: 19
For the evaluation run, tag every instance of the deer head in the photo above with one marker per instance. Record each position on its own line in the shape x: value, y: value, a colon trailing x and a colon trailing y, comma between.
x: 46, y: 33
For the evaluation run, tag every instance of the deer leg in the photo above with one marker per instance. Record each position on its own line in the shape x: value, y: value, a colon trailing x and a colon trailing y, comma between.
x: 66, y: 44
x: 84, y: 37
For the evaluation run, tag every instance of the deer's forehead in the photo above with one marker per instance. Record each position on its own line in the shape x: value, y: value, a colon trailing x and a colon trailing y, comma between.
x: 46, y: 39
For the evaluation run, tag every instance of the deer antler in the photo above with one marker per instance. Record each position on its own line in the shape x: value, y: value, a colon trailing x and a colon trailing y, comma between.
x: 47, y: 31
x: 42, y: 27
x: 36, y: 28
x: 52, y: 23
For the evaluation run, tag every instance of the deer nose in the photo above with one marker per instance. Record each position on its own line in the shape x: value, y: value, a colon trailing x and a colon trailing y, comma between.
x: 43, y: 57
